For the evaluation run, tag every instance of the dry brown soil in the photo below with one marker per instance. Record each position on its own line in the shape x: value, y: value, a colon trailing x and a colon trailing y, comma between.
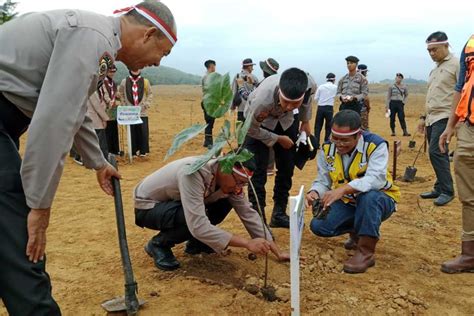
x: 84, y: 259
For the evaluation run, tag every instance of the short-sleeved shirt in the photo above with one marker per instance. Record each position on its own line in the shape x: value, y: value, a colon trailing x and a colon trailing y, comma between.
x: 441, y: 83
x: 356, y: 86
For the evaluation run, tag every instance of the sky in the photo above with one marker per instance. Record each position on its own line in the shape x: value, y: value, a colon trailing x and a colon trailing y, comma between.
x: 316, y: 36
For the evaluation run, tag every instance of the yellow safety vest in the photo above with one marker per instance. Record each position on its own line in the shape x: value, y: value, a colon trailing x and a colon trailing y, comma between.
x: 358, y: 166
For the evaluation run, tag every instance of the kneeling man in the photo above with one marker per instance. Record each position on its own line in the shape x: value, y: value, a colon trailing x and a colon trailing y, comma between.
x: 354, y: 185
x: 189, y: 207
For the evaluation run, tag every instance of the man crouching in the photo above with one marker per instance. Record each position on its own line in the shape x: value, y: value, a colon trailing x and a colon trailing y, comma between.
x: 188, y: 207
x: 353, y: 184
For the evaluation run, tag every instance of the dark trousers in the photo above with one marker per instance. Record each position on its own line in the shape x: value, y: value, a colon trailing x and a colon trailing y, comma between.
x: 111, y: 132
x: 140, y: 137
x: 439, y: 161
x: 103, y: 142
x: 323, y: 115
x: 25, y: 287
x: 285, y: 165
x: 168, y: 218
x: 210, y: 124
x: 397, y: 108
x: 240, y: 116
x: 354, y: 105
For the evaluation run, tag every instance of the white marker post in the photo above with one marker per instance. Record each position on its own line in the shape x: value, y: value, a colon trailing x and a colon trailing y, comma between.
x: 296, y: 232
x: 129, y: 115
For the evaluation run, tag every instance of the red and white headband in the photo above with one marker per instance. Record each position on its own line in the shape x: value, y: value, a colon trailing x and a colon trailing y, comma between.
x: 341, y: 133
x: 284, y: 97
x: 243, y: 172
x: 270, y: 66
x: 431, y: 43
x: 153, y: 18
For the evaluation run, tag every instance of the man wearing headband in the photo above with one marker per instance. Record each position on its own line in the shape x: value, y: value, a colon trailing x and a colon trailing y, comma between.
x: 462, y: 111
x: 270, y: 107
x: 354, y: 184
x: 352, y: 88
x: 437, y: 111
x: 189, y: 207
x: 242, y: 84
x: 53, y: 62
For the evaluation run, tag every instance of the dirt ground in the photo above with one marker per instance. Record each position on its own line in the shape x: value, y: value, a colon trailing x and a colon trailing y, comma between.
x: 84, y: 259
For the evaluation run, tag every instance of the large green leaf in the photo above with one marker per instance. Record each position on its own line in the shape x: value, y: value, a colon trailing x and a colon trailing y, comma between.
x: 184, y: 136
x: 228, y: 161
x: 242, y: 129
x: 214, y: 151
x: 217, y: 94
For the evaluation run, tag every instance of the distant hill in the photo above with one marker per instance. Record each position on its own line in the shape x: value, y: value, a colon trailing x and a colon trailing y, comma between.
x: 405, y: 81
x: 160, y: 75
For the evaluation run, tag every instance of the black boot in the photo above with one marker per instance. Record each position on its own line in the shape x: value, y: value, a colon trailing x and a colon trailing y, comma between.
x: 208, y: 141
x: 163, y: 256
x: 194, y: 247
x: 279, y: 217
x: 393, y: 132
x: 405, y: 132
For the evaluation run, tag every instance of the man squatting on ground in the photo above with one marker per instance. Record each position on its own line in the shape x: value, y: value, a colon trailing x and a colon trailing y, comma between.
x: 463, y: 112
x: 270, y: 107
x: 354, y: 182
x: 53, y: 62
x: 189, y: 207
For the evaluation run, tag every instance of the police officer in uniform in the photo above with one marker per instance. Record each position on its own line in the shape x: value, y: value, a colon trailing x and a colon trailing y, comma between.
x: 51, y: 65
x: 352, y: 88
x: 270, y: 107
x: 190, y: 206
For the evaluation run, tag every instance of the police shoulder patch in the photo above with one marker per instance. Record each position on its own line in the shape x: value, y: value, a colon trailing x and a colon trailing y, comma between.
x: 105, y: 63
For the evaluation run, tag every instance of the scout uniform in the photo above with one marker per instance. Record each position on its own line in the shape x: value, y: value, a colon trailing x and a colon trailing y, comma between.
x: 109, y: 95
x: 355, y: 86
x: 136, y: 91
x: 96, y: 110
x: 246, y: 89
x: 52, y: 64
x: 268, y: 122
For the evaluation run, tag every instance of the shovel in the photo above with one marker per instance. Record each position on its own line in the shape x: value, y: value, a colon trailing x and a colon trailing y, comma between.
x: 412, y: 142
x: 129, y: 303
x: 410, y: 171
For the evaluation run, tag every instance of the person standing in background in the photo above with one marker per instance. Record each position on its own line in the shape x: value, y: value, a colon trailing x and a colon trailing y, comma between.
x: 325, y: 95
x: 208, y: 141
x: 396, y: 99
x: 109, y: 96
x: 137, y: 92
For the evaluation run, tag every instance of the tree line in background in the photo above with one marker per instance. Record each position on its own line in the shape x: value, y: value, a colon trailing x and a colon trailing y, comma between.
x: 160, y: 75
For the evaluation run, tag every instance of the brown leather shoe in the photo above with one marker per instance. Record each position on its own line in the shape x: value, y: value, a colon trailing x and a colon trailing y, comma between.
x: 351, y: 242
x: 462, y: 263
x: 364, y: 256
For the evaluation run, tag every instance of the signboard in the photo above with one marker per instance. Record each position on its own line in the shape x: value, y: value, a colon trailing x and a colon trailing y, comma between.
x: 129, y: 115
x: 296, y: 232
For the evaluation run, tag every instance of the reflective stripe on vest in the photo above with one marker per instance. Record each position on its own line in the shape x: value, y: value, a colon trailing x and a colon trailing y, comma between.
x: 357, y: 169
x: 465, y: 110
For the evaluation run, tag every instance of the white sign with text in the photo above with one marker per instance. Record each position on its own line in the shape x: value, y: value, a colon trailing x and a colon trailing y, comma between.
x: 129, y: 115
x: 296, y: 232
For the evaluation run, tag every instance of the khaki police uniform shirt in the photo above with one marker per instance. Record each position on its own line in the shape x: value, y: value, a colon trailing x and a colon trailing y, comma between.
x: 264, y: 109
x: 356, y: 86
x: 170, y: 183
x: 440, y: 92
x: 49, y: 66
